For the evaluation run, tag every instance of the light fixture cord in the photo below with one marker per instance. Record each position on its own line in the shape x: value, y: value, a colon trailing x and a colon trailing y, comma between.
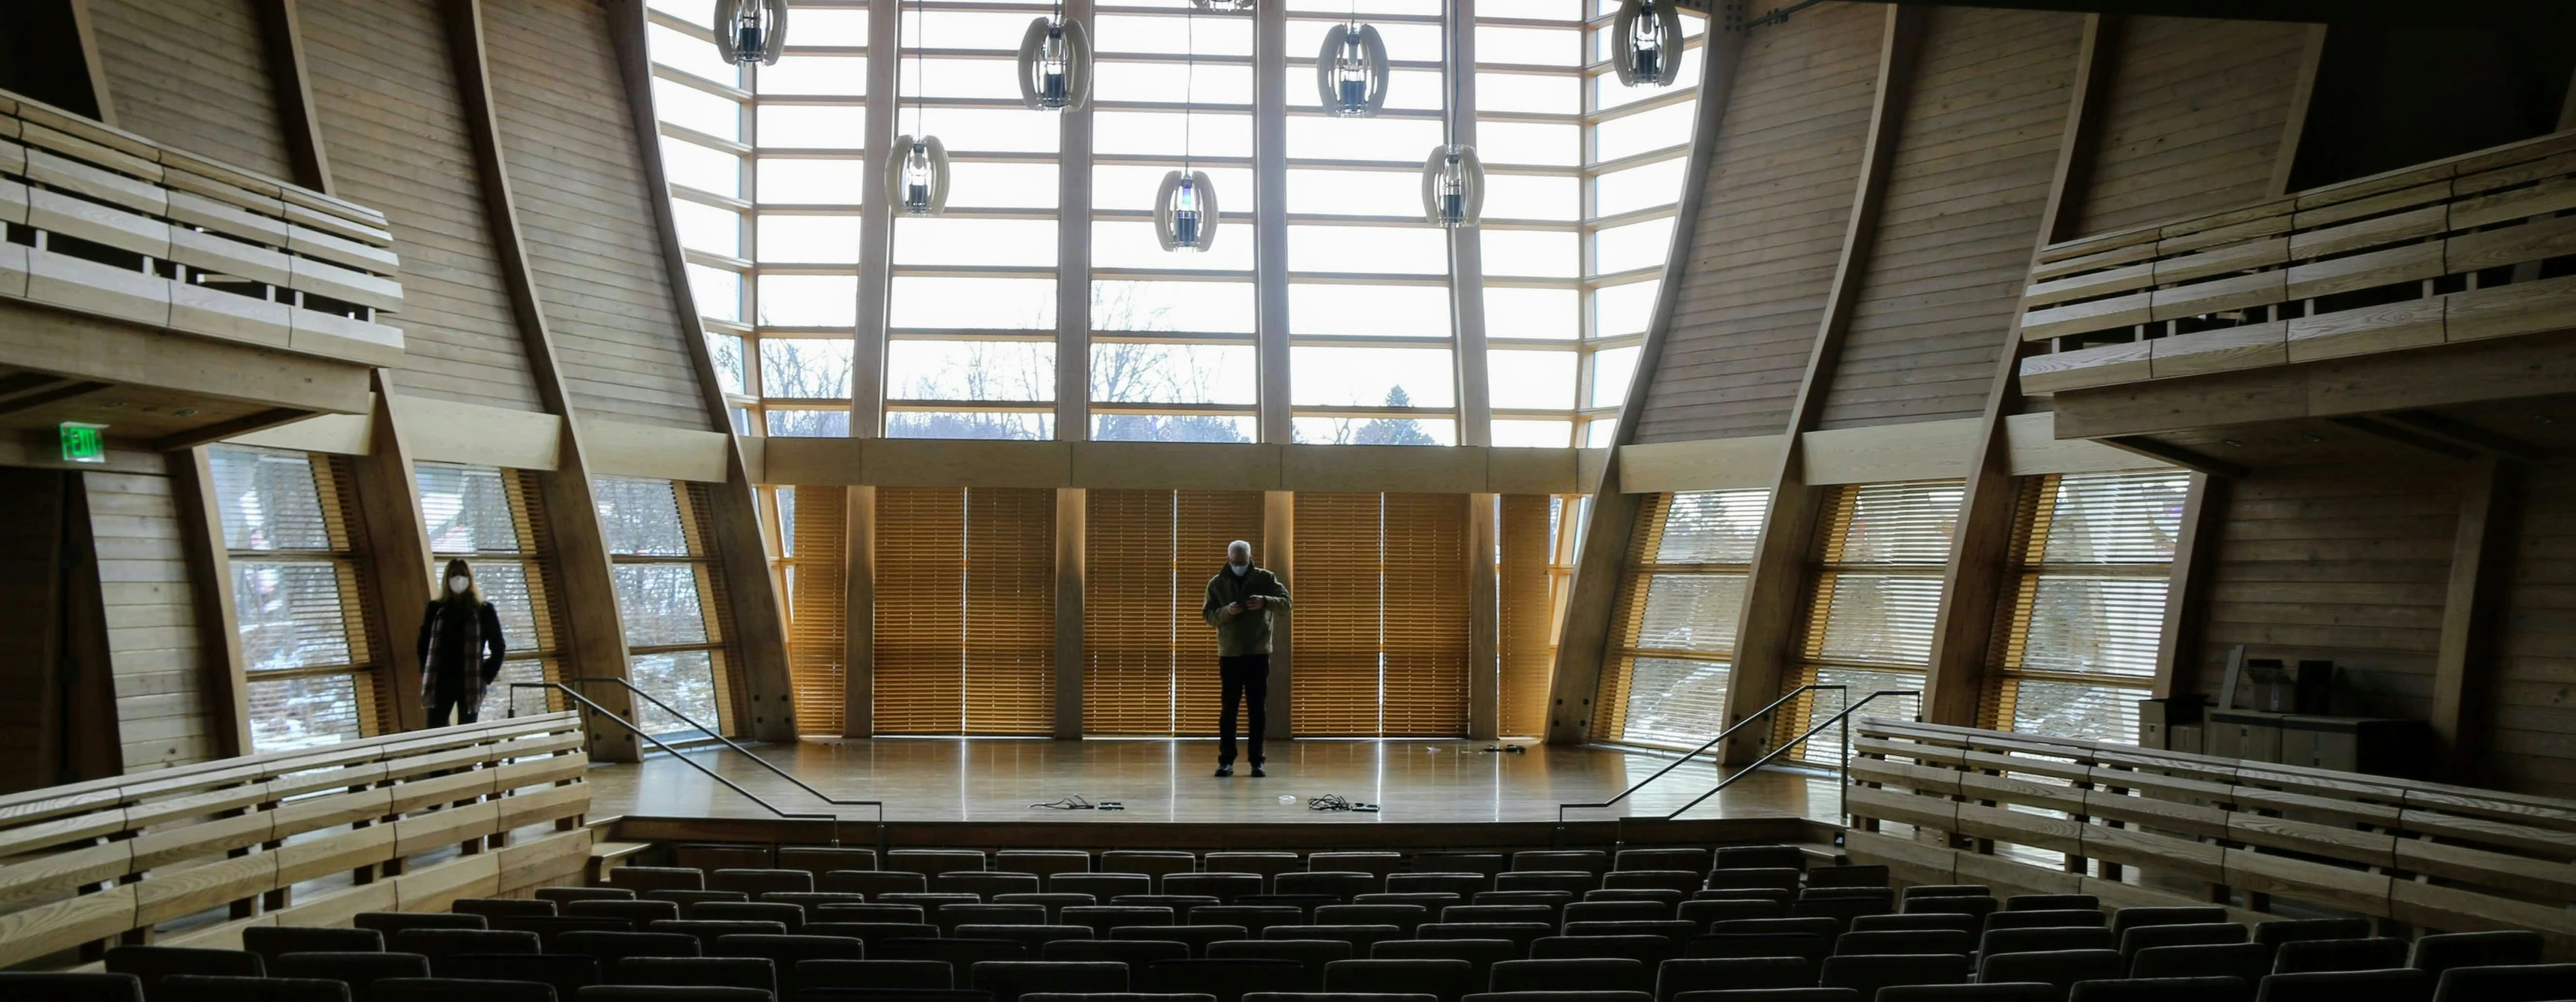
x: 1189, y: 81
x: 920, y: 86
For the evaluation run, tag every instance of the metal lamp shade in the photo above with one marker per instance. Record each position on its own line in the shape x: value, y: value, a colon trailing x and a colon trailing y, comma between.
x: 1351, y: 71
x: 917, y: 177
x: 751, y: 31
x: 1453, y: 187
x: 1055, y: 65
x: 1185, y: 212
x: 1648, y: 37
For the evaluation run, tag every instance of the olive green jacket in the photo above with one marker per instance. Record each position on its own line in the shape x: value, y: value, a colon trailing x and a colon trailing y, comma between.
x: 1246, y: 632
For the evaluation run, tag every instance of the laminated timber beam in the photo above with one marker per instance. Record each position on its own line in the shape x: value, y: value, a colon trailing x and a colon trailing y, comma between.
x: 1778, y: 572
x: 1585, y: 638
x: 2482, y: 549
x: 291, y: 85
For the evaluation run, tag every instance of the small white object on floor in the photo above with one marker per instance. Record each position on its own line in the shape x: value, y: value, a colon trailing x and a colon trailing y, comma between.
x: 1287, y: 798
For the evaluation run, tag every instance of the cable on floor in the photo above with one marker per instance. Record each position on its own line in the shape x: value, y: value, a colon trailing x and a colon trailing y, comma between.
x: 1337, y: 802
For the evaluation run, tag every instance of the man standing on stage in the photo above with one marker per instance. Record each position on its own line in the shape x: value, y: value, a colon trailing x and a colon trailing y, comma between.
x: 1239, y: 600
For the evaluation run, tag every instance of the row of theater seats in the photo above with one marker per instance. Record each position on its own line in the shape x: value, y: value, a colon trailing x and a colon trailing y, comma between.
x: 1826, y: 935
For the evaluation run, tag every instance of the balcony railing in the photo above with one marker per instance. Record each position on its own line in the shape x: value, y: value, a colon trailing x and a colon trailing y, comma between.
x: 109, y: 223
x: 2451, y: 251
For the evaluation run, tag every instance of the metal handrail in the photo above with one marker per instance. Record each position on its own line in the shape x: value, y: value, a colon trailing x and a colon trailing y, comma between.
x: 1695, y: 752
x: 1843, y: 717
x: 638, y: 730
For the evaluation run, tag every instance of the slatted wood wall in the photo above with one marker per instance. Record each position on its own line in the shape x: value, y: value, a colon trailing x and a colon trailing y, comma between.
x: 190, y: 73
x: 386, y: 95
x: 965, y: 612
x: 1010, y: 601
x: 2531, y: 743
x: 1779, y: 192
x: 1203, y: 523
x: 2194, y: 119
x: 1528, y: 613
x: 1964, y: 197
x: 31, y: 581
x: 1334, y: 687
x: 921, y: 595
x: 818, y: 624
x: 579, y: 180
x: 2341, y: 562
x: 1425, y: 613
x: 163, y: 707
x: 1128, y: 612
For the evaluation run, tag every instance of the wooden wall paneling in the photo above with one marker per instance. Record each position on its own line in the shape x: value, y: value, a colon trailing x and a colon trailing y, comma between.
x: 1955, y: 680
x: 1778, y: 572
x: 1593, y: 587
x: 919, y: 667
x: 2303, y: 89
x: 397, y: 136
x: 2195, y: 120
x: 597, y: 645
x: 1142, y: 606
x: 760, y: 637
x: 87, y: 716
x: 2187, y: 588
x: 190, y: 73
x: 2482, y: 550
x: 290, y: 84
x: 1010, y: 639
x: 31, y: 581
x: 2530, y: 743
x: 165, y: 710
x: 209, y: 565
x: 397, y: 536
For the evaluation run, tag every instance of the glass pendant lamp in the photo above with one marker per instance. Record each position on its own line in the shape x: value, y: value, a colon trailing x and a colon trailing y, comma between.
x: 1055, y: 63
x: 1648, y: 34
x: 751, y: 31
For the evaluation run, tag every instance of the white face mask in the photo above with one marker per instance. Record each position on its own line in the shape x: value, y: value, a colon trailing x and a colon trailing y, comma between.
x: 459, y: 583
x: 1238, y: 569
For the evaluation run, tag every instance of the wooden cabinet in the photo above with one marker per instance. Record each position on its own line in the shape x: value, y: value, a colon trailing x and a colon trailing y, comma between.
x: 2381, y: 746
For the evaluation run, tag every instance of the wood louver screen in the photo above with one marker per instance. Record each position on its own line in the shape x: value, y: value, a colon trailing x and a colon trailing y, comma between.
x: 1528, y: 613
x: 1610, y: 701
x: 1010, y: 595
x: 1127, y: 612
x: 920, y: 610
x: 1203, y: 523
x: 1424, y: 615
x: 2079, y: 629
x: 818, y: 624
x: 1876, y: 596
x: 1334, y: 684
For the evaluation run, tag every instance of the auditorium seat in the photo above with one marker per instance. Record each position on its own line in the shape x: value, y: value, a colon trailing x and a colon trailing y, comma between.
x: 1444, y: 980
x: 1905, y: 941
x: 1692, y: 860
x: 2310, y: 956
x: 657, y: 878
x: 1616, y: 911
x: 1224, y: 887
x: 758, y: 882
x: 1569, y: 881
x: 1674, y: 977
x: 819, y: 860
x: 873, y: 883
x: 933, y: 862
x: 1775, y: 895
x: 2401, y: 984
x: 567, y: 972
x: 1480, y: 954
x: 713, y: 856
x: 1341, y: 884
x: 1339, y: 997
x: 1150, y: 863
x: 548, y: 927
x: 1672, y: 931
x: 1042, y: 863
x: 1103, y: 918
x: 453, y: 989
x: 1569, y: 996
x: 1253, y: 918
x: 1735, y: 857
x: 1681, y: 882
x: 1486, y: 864
x: 1665, y: 896
x: 961, y: 954
x: 1135, y: 953
x: 1811, y: 925
x: 225, y: 988
x: 1035, y: 937
x: 1647, y: 950
x: 1779, y: 878
x: 1850, y: 875
x: 1943, y: 921
x: 1867, y: 975
x: 436, y: 943
x: 1979, y: 905
x: 872, y: 933
x: 357, y: 970
x: 1554, y: 901
x: 2049, y: 902
x: 271, y: 941
x: 1882, y: 895
x: 1844, y: 910
x: 1053, y: 903
x: 499, y: 907
x: 1948, y: 891
x: 1180, y: 904
x: 1304, y: 903
x: 1591, y: 861
x: 2001, y: 991
x: 811, y: 900
x: 2506, y: 983
x: 88, y: 987
x: 697, y: 972
x: 1701, y: 912
x: 1010, y: 979
x: 2442, y: 951
x: 882, y: 974
x: 1196, y: 937
x: 2278, y: 931
x: 2036, y: 940
x: 1311, y: 955
x: 2188, y: 934
x: 150, y: 964
x: 1375, y: 864
x: 871, y: 911
x: 610, y: 947
x: 2248, y: 961
x: 1526, y: 914
x: 2126, y: 919
x: 2051, y: 918
x: 1114, y: 997
x: 1227, y: 980
x: 785, y: 952
x: 638, y: 911
x: 1811, y: 949
x: 985, y: 883
x: 949, y: 916
x: 2209, y: 989
x: 1264, y: 865
x: 1358, y: 936
x: 565, y: 895
x: 1774, y: 995
x: 1621, y: 974
x: 1405, y: 918
x: 930, y: 900
x: 706, y: 930
x: 672, y: 993
x: 390, y: 923
x: 1103, y: 886
x: 685, y: 898
x: 1464, y: 885
x: 2061, y: 968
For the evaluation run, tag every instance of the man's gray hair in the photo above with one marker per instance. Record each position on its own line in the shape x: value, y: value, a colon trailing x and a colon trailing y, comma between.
x: 1238, y: 545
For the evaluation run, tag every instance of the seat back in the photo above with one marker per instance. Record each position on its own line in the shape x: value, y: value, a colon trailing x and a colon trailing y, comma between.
x: 1573, y: 974
x: 707, y: 930
x: 1464, y: 885
x: 1480, y: 954
x: 2045, y: 918
x: 150, y: 964
x: 685, y: 898
x: 874, y: 883
x: 1375, y: 864
x: 888, y: 975
x: 760, y: 881
x: 1853, y: 875
x: 436, y: 943
x: 1260, y: 864
x: 2442, y: 951
x: 1868, y: 974
x: 2205, y: 989
x: 1948, y: 891
x: 1008, y: 980
x: 1405, y: 918
x: 784, y: 913
x: 2248, y: 961
x: 933, y: 862
x: 2039, y: 940
x: 1673, y: 977
x: 357, y: 970
x: 1196, y: 937
x: 1341, y: 885
x: 819, y: 860
x: 2505, y: 983
x: 1104, y: 886
x: 1253, y: 918
x: 1224, y: 887
x: 1042, y: 863
x: 2310, y: 956
x: 1035, y: 937
x: 2193, y: 934
x: 88, y: 986
x: 2279, y: 931
x: 1740, y: 856
x: 1135, y: 953
x: 1592, y: 861
x: 1692, y: 860
x: 1807, y: 947
x: 1443, y: 980
x: 225, y: 988
x: 272, y: 941
x: 985, y: 883
x: 450, y: 989
x: 1647, y: 950
x: 1979, y: 905
x: 1310, y: 954
x: 2126, y: 919
x: 2009, y: 991
x: 657, y: 878
x: 2052, y: 902
x: 2061, y: 968
x: 1950, y: 921
x: 565, y: 895
x: 499, y: 907
x: 1907, y: 941
x: 1680, y: 882
x: 2398, y: 984
x: 1616, y: 911
x: 1150, y: 863
x: 1102, y: 918
x: 1486, y: 863
x: 697, y: 972
x: 637, y: 910
x: 1569, y: 881
x: 1779, y: 878
x: 1673, y: 931
x: 1519, y: 934
x: 1227, y: 980
x: 950, y: 916
x: 567, y: 972
x: 1360, y: 937
x: 610, y: 947
x: 390, y: 923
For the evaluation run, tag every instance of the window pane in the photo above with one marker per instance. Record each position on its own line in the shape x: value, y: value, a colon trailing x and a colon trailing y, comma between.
x: 812, y: 127
x: 938, y: 241
x: 1131, y: 187
x: 693, y: 166
x: 1358, y: 192
x: 790, y: 423
x: 726, y: 350
x: 1610, y: 93
x: 1712, y: 527
x: 1527, y: 92
x: 640, y: 517
x: 1373, y: 431
x: 1629, y: 135
x: 1658, y: 183
x: 936, y: 424
x: 1533, y: 434
x: 1529, y: 46
x: 1006, y: 186
x: 1133, y: 245
x: 291, y: 713
x: 1173, y: 373
x: 468, y: 510
x: 1406, y: 41
x: 1407, y: 140
x: 1862, y: 681
x: 809, y: 300
x: 1532, y: 253
x: 1636, y: 245
x: 500, y: 700
x: 1204, y: 134
x: 931, y: 303
x: 659, y: 603
x: 1675, y: 703
x: 2074, y: 710
x: 817, y: 368
x: 812, y: 182
x: 841, y: 75
x: 1691, y: 612
x: 970, y: 370
x: 809, y: 239
x: 1203, y: 307
x: 1415, y: 310
x: 707, y: 228
x: 1371, y: 377
x: 697, y: 110
x: 1207, y: 36
x: 2107, y: 625
x: 718, y: 292
x: 1881, y: 618
x: 290, y: 614
x: 684, y: 679
x: 1528, y: 143
x: 1625, y: 309
x: 269, y: 500
x: 1209, y: 83
x: 1613, y: 369
x: 1170, y: 428
x: 508, y: 585
x: 689, y: 55
x: 1388, y: 250
x: 1901, y: 523
x: 1529, y: 196
x: 1532, y: 312
x: 1531, y: 379
x: 829, y: 27
x: 2118, y: 518
x: 982, y: 130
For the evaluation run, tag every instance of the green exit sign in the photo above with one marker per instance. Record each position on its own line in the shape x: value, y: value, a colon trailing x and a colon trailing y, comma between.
x: 84, y: 443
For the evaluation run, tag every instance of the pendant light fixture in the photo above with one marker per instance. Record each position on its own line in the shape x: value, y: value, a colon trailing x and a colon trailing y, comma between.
x: 1221, y: 6
x: 751, y: 31
x: 1648, y: 34
x: 1351, y: 71
x: 1055, y: 63
x: 1185, y: 213
x: 917, y: 173
x: 1453, y: 179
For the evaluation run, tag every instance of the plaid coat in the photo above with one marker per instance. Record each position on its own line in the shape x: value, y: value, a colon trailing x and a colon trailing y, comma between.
x: 447, y: 630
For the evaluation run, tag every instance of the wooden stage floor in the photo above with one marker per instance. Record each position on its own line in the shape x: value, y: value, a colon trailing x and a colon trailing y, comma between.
x: 990, y: 781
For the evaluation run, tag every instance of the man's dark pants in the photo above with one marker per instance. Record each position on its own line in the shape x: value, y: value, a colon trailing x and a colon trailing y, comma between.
x: 1246, y: 678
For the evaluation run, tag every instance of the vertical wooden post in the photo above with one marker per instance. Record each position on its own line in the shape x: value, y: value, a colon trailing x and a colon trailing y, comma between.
x: 281, y: 39
x: 1071, y: 526
x: 2473, y: 611
x: 859, y: 651
x: 1475, y: 396
x: 201, y: 535
x: 398, y: 542
x: 1072, y: 393
x: 1772, y: 587
x: 1270, y: 233
x: 1583, y: 643
x: 1279, y: 554
x: 1972, y: 582
x: 597, y: 642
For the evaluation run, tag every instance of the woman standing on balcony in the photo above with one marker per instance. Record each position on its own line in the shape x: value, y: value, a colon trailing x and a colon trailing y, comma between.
x: 460, y: 649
